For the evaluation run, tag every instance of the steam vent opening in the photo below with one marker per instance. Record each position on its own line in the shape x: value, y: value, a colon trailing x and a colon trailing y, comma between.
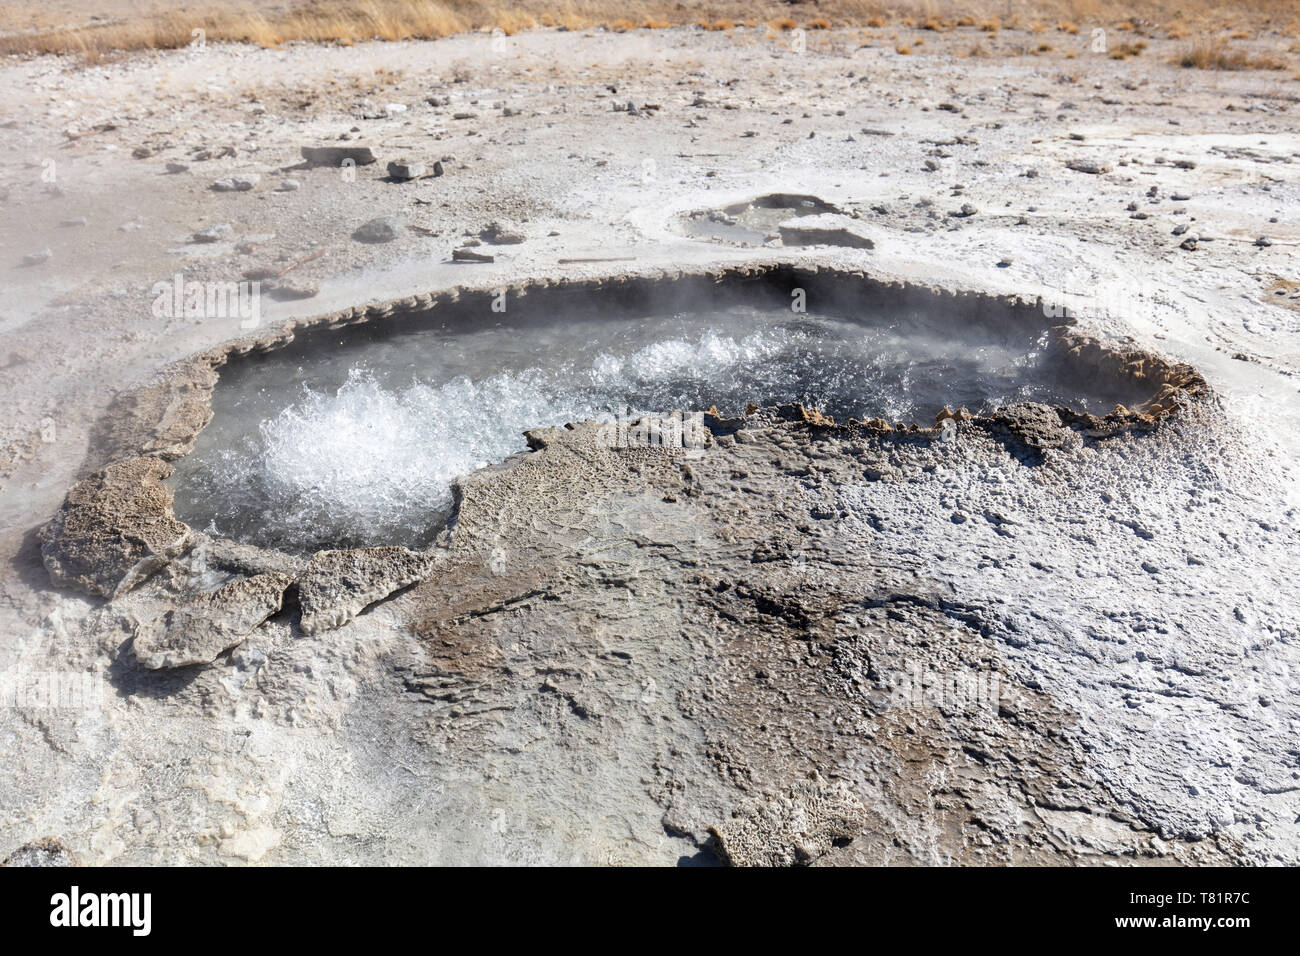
x: 351, y: 436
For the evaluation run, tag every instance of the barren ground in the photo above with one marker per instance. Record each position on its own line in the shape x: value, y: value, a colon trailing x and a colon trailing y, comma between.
x: 1177, y: 747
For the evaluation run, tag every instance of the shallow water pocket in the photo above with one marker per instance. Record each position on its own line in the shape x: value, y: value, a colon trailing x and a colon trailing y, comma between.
x: 352, y: 437
x: 755, y: 221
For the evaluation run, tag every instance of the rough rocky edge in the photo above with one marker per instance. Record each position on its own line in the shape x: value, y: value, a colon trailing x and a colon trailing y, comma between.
x: 115, y: 529
x: 792, y: 829
x: 210, y: 624
x: 337, y: 585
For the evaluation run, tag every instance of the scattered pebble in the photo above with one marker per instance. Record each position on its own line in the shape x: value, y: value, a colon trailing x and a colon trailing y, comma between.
x: 500, y: 235
x: 383, y: 229
x: 290, y: 290
x: 405, y: 170
x: 236, y: 184
x: 335, y: 155
x: 213, y: 233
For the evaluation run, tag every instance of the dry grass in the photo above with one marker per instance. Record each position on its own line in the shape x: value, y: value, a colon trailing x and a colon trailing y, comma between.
x: 31, y: 28
x: 1214, y: 54
x: 1126, y: 50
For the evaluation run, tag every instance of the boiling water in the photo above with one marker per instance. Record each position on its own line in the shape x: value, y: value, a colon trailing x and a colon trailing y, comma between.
x: 357, y: 443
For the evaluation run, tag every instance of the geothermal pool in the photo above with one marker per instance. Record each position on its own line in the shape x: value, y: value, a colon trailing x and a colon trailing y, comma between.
x: 353, y: 438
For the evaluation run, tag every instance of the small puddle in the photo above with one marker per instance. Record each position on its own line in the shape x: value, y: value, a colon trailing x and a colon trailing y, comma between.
x: 352, y: 437
x: 753, y: 222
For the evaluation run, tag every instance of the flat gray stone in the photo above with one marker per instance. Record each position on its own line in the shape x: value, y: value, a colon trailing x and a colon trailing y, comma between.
x: 335, y: 155
x: 1094, y: 167
x: 236, y: 184
x: 383, y: 229
x: 402, y: 169
x: 213, y: 233
x: 336, y: 586
x: 207, y: 626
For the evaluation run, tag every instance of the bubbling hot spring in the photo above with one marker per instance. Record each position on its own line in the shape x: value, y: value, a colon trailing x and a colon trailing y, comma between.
x: 353, y: 436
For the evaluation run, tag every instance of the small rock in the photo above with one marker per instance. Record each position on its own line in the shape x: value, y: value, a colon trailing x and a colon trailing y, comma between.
x: 469, y: 255
x: 37, y: 257
x: 1263, y: 242
x: 214, y: 233
x: 288, y: 186
x: 437, y: 168
x: 205, y: 627
x: 1091, y: 166
x: 500, y: 235
x: 402, y: 169
x: 78, y: 221
x: 178, y: 168
x: 335, y: 155
x: 383, y: 229
x: 292, y: 291
x: 336, y: 586
x: 236, y: 184
x: 142, y: 152
x: 1189, y: 244
x: 47, y: 851
x: 1181, y: 228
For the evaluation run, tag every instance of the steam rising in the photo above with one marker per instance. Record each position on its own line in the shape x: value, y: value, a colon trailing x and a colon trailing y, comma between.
x: 361, y: 446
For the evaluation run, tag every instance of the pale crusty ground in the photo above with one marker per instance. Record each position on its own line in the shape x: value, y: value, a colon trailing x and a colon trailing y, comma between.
x: 78, y: 328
